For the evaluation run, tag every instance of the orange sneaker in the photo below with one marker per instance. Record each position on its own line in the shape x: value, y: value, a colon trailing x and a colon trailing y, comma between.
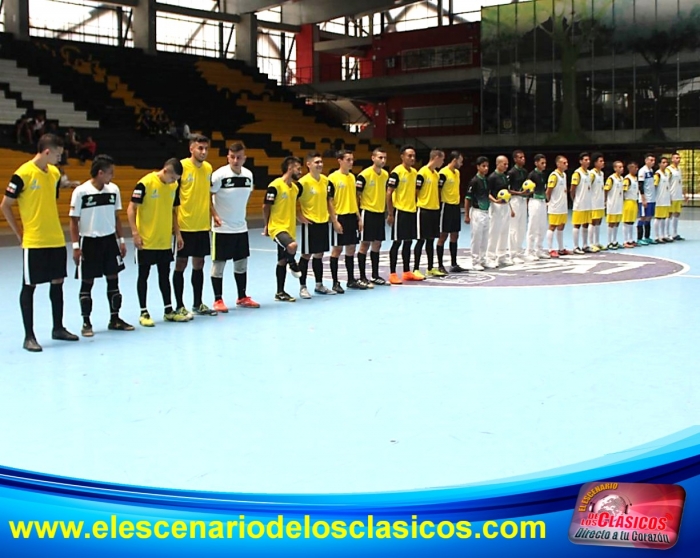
x: 219, y: 306
x: 394, y: 279
x: 410, y: 276
x: 247, y: 302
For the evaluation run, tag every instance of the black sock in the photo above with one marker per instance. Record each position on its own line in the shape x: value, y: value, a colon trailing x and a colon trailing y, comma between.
x: 453, y: 253
x: 142, y: 285
x: 26, y: 303
x: 291, y: 258
x: 164, y: 285
x: 197, y: 286
x: 317, y: 266
x: 217, y: 285
x: 440, y: 253
x: 406, y: 256
x: 113, y: 298
x: 362, y: 265
x: 56, y: 296
x: 647, y: 229
x: 304, y: 268
x: 640, y: 232
x: 178, y: 287
x: 429, y: 250
x: 394, y: 256
x: 417, y: 252
x: 334, y: 269
x: 350, y: 267
x: 281, y: 274
x: 85, y: 302
x: 241, y: 283
x: 374, y: 256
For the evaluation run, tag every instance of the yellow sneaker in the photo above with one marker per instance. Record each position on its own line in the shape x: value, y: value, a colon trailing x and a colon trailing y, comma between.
x: 418, y: 275
x: 146, y: 321
x: 175, y: 317
x: 435, y: 272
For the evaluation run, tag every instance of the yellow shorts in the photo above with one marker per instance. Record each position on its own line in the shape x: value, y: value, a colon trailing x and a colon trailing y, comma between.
x: 581, y: 217
x: 614, y: 218
x: 556, y: 219
x: 630, y: 210
x: 662, y: 212
x: 676, y: 206
x: 597, y: 214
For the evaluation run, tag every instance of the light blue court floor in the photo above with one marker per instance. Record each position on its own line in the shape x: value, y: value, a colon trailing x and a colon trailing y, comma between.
x: 451, y: 382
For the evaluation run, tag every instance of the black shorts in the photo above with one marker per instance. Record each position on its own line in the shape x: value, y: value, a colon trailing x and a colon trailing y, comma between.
x: 450, y: 218
x: 197, y: 244
x: 428, y: 223
x: 349, y: 237
x: 153, y: 257
x: 101, y: 256
x: 315, y: 238
x: 43, y: 265
x: 230, y: 246
x: 372, y: 226
x: 283, y: 240
x: 404, y: 227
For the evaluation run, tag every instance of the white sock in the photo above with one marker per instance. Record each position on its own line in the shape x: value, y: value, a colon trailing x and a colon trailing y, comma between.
x: 664, y: 228
x: 656, y: 228
x: 560, y: 239
x: 629, y: 232
x: 550, y: 239
x: 596, y: 233
x: 586, y: 237
x: 577, y: 233
x: 611, y: 233
x: 615, y: 231
x: 673, y: 225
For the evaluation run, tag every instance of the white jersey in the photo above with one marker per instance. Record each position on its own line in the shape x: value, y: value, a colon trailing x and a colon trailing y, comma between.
x: 597, y: 192
x: 557, y: 201
x: 630, y: 187
x: 676, y: 183
x: 231, y: 192
x: 582, y: 197
x: 646, y: 184
x: 96, y: 209
x: 613, y: 186
x: 663, y: 188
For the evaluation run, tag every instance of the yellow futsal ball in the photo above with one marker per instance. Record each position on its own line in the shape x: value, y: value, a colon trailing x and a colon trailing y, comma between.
x: 504, y: 195
x: 528, y: 186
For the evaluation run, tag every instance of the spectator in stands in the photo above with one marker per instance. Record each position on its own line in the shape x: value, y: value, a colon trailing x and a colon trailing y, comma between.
x: 146, y: 124
x: 87, y: 150
x: 23, y: 129
x: 185, y: 132
x: 162, y: 122
x: 71, y: 143
x: 38, y: 126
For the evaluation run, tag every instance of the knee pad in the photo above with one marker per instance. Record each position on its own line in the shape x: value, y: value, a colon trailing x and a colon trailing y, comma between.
x: 217, y: 268
x: 240, y: 266
x: 115, y: 301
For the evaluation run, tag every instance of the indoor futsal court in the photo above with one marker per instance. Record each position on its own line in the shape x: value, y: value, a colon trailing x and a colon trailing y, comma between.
x: 562, y: 363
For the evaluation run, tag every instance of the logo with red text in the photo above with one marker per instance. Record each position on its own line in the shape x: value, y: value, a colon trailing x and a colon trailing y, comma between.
x: 632, y: 515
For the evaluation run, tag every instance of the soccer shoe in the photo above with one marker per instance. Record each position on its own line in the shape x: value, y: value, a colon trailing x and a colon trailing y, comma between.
x: 553, y: 254
x: 507, y: 261
x: 601, y: 247
x: 204, y: 310
x: 294, y: 268
x: 644, y: 242
x: 86, y: 331
x: 544, y: 255
x: 32, y: 345
x: 394, y: 279
x: 436, y: 273
x: 594, y: 249
x: 490, y: 265
x: 187, y: 316
x: 323, y: 290
x: 418, y: 275
x: 578, y: 251
x: 518, y: 260
x: 378, y: 280
x: 410, y: 276
x: 655, y: 241
x: 355, y: 284
x: 284, y: 297
x: 678, y: 237
x: 304, y: 292
x: 628, y: 245
x: 477, y: 267
x: 119, y: 325
x: 220, y: 306
x: 442, y: 269
x: 176, y: 317
x: 457, y: 269
x: 611, y: 246
x: 146, y: 321
x: 367, y: 283
x: 337, y: 289
x: 63, y: 334
x: 531, y: 258
x: 245, y: 302
x: 564, y: 252
x: 667, y: 239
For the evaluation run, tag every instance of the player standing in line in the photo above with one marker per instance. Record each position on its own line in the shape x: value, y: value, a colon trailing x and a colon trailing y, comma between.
x: 98, y: 241
x: 557, y: 209
x: 597, y: 200
x: 677, y: 196
x: 153, y: 220
x: 279, y: 214
x: 476, y: 212
x: 581, y: 194
x: 231, y: 186
x: 518, y: 203
x: 342, y: 192
x: 613, y: 203
x: 663, y: 202
x: 34, y: 187
x: 316, y: 210
x: 401, y: 205
x: 450, y: 209
x: 630, y: 195
x: 537, y: 208
x: 428, y: 213
x: 371, y: 192
x: 194, y: 220
x: 500, y: 213
x: 647, y: 200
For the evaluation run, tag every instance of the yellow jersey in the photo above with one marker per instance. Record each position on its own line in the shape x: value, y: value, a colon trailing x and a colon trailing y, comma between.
x: 341, y: 189
x: 194, y: 213
x: 154, y: 218
x: 449, y: 183
x: 403, y: 182
x: 282, y: 199
x: 313, y: 198
x: 427, y: 186
x: 36, y: 192
x: 372, y: 189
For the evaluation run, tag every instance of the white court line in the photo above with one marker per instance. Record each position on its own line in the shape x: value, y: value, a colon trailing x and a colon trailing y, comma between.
x: 691, y: 276
x: 262, y: 250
